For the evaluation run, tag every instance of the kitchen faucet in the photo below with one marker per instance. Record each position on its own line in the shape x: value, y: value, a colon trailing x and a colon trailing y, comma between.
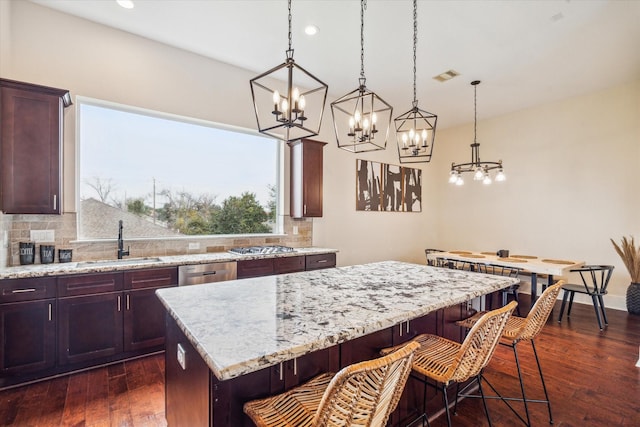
x: 121, y: 251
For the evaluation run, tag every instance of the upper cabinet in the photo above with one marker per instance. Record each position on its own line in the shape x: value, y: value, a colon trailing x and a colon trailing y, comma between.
x: 31, y: 125
x: 306, y: 178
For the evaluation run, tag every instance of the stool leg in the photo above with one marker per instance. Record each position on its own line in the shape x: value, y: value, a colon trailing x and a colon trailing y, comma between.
x: 446, y: 404
x: 524, y: 397
x: 594, y: 298
x: 544, y: 387
x: 604, y: 313
x: 573, y: 294
x: 484, y: 401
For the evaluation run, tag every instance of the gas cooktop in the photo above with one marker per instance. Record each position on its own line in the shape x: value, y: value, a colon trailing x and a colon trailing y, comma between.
x: 260, y: 250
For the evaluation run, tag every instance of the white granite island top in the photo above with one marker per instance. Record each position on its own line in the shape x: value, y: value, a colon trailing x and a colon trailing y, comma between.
x: 245, y: 325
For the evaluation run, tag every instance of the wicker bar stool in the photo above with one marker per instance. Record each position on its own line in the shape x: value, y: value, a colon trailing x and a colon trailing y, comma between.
x: 525, y: 329
x: 449, y: 362
x: 361, y: 394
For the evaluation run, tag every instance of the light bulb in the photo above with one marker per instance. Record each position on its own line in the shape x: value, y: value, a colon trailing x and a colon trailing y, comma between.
x: 453, y: 177
x: 352, y: 122
x: 296, y: 94
x: 365, y: 124
x: 374, y: 118
x: 357, y: 116
x: 285, y: 106
x: 479, y: 174
x: 302, y: 102
x: 487, y: 179
x: 425, y: 134
x: 276, y: 97
x: 500, y: 175
x: 459, y: 180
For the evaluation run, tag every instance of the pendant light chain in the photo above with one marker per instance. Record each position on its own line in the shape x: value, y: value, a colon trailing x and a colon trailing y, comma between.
x: 290, y: 25
x: 415, y: 43
x: 363, y: 6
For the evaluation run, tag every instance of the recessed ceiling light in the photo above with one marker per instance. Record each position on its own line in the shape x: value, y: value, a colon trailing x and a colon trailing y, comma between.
x: 311, y: 30
x: 127, y: 4
x: 447, y: 75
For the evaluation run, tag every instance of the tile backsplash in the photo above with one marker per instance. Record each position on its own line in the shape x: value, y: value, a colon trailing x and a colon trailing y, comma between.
x: 17, y: 228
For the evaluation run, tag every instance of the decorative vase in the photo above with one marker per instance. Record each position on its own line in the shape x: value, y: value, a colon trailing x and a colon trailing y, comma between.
x: 633, y: 298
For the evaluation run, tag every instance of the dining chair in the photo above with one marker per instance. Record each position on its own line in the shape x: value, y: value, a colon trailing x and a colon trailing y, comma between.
x: 430, y: 251
x: 361, y: 394
x: 595, y: 279
x: 456, y: 264
x: 448, y: 362
x: 500, y: 270
x: 525, y: 329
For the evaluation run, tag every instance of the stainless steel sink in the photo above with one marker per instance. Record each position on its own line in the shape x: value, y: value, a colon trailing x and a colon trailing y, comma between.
x: 116, y: 262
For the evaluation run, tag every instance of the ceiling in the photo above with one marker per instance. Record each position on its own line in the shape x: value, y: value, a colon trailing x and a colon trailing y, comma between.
x: 525, y: 52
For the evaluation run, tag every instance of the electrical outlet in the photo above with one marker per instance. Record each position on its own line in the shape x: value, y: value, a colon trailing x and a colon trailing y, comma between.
x: 194, y: 245
x: 295, y: 229
x: 182, y: 361
x: 42, y: 235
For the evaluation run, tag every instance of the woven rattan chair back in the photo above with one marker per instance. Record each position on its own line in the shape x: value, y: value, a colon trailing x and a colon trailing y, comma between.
x: 480, y: 344
x: 538, y: 315
x: 365, y: 394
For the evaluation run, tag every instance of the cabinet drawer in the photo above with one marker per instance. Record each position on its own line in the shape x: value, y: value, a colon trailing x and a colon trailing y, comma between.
x: 314, y: 262
x: 288, y: 264
x: 15, y: 290
x: 85, y: 284
x: 255, y: 268
x: 152, y: 278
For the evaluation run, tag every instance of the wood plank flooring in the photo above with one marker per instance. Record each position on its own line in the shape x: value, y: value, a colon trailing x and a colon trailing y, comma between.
x: 591, y: 378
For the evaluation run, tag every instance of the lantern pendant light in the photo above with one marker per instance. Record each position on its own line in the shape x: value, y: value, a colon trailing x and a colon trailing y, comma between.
x: 415, y: 129
x: 288, y: 100
x: 361, y: 118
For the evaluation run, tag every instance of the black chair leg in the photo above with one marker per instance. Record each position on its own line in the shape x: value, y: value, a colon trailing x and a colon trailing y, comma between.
x: 594, y: 298
x: 565, y: 294
x: 524, y: 397
x: 573, y: 294
x: 604, y: 313
x: 446, y: 404
x: 544, y: 386
x: 484, y: 401
x: 515, y: 297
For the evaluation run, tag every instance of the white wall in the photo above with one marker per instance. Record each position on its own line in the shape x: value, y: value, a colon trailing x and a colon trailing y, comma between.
x: 572, y: 165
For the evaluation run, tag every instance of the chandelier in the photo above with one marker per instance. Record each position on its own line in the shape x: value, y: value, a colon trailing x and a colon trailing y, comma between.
x: 480, y: 169
x: 288, y: 100
x: 361, y: 118
x: 415, y: 129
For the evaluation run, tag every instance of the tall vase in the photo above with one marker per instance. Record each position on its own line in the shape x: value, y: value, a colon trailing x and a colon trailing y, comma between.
x: 633, y: 298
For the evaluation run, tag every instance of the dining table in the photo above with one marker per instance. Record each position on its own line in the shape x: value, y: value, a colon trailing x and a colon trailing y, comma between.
x: 530, y: 264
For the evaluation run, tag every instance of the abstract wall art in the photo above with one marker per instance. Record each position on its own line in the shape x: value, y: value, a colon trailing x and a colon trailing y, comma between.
x: 385, y: 187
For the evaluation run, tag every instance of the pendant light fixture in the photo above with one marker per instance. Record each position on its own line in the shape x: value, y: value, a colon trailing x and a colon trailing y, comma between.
x: 288, y: 100
x: 361, y: 118
x: 480, y: 169
x: 415, y: 129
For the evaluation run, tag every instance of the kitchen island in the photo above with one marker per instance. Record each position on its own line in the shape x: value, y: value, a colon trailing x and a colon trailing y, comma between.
x: 235, y: 341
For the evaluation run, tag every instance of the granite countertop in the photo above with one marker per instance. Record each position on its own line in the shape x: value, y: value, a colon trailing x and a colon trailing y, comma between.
x: 246, y: 325
x: 57, y: 269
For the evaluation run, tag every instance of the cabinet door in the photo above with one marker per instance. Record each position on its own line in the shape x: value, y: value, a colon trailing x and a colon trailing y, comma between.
x: 255, y: 268
x: 143, y: 320
x: 151, y: 278
x: 31, y: 144
x: 288, y: 264
x: 306, y: 178
x: 28, y: 336
x: 90, y: 327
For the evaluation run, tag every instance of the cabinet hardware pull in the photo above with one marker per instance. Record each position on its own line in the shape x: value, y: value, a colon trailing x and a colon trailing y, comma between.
x: 49, y: 312
x: 408, y: 325
x: 322, y: 261
x: 127, y: 302
x: 119, y: 303
x: 55, y: 202
x: 281, y: 374
x: 305, y: 209
x: 295, y: 367
x: 400, y: 328
x: 22, y: 291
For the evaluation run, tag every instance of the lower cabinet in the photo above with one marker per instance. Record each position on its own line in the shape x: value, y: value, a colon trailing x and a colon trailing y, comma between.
x: 90, y: 327
x: 28, y: 331
x: 143, y: 320
x: 269, y: 266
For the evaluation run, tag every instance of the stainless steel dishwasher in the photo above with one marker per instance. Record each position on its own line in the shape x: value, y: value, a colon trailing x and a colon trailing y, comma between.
x: 198, y: 274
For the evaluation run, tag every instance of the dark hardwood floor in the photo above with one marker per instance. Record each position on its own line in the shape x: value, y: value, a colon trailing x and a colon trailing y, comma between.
x: 591, y: 378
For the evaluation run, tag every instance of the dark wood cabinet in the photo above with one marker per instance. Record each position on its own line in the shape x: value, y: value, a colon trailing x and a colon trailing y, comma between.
x: 306, y: 178
x: 30, y: 147
x: 315, y: 262
x: 27, y: 325
x: 269, y: 266
x: 28, y: 336
x: 288, y: 265
x: 89, y: 327
x: 255, y: 268
x: 144, y: 323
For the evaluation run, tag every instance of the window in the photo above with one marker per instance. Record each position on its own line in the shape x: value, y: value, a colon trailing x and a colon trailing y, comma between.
x: 170, y: 176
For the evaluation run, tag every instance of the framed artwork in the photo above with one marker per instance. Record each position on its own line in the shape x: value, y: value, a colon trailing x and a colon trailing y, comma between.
x: 384, y: 187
